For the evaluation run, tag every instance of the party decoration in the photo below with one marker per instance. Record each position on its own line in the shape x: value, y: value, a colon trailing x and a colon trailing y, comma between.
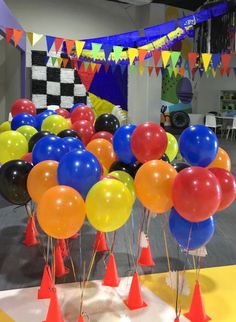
x: 75, y: 106
x: 63, y: 112
x: 61, y: 212
x: 13, y: 178
x: 172, y: 147
x: 103, y: 135
x: 60, y: 268
x: 165, y: 158
x: 107, y: 122
x: 42, y: 177
x: 100, y: 244
x: 73, y: 143
x: 22, y: 119
x: 46, y: 285
x: 196, y: 194
x: 49, y: 148
x: 68, y: 133
x: 54, y: 311
x: 153, y: 185
x: 5, y: 126
x: 36, y: 137
x: 111, y: 277
x: 54, y: 124
x: 126, y: 179
x: 198, y: 145
x: 121, y: 143
x: 179, y: 166
x: 222, y: 160
x: 190, y: 235
x: 84, y: 129
x: 41, y: 117
x: 23, y: 105
x: 135, y: 300
x: 30, y: 233
x: 13, y: 146
x: 80, y: 170
x: 129, y: 168
x: 27, y: 130
x: 103, y: 150
x: 27, y: 157
x: 82, y: 113
x: 148, y: 142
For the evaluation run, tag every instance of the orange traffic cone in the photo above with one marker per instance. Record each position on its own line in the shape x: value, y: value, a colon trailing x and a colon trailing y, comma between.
x: 100, y: 242
x: 135, y: 300
x: 145, y: 258
x: 54, y: 312
x: 176, y: 319
x: 30, y: 234
x: 197, y: 312
x: 81, y: 318
x: 60, y: 269
x: 46, y: 284
x: 63, y: 246
x: 111, y: 277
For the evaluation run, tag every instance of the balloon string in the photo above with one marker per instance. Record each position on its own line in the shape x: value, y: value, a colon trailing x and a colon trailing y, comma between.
x: 83, y: 287
x: 113, y: 241
x: 80, y: 256
x: 71, y: 262
x: 141, y: 228
x: 166, y: 249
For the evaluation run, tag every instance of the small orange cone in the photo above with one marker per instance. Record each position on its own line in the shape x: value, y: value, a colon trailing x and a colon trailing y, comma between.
x: 30, y: 234
x: 135, y: 300
x: 111, y: 277
x: 46, y: 284
x: 176, y: 319
x: 100, y: 243
x: 54, y: 312
x: 75, y: 236
x: 81, y: 318
x: 197, y: 312
x: 60, y: 269
x: 63, y: 246
x: 145, y: 258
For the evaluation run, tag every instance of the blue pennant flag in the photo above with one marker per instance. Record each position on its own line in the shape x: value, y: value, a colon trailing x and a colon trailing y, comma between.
x: 235, y: 71
x: 113, y: 68
x: 50, y: 42
x: 107, y: 50
x: 215, y: 60
x: 123, y: 68
x: 201, y: 71
x: 46, y: 59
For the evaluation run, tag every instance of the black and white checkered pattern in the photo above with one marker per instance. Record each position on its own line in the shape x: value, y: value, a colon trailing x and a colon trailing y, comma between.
x: 52, y: 85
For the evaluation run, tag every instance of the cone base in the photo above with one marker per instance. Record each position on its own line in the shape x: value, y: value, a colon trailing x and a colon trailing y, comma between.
x: 81, y: 318
x: 137, y: 307
x: 192, y: 318
x: 151, y: 264
x: 115, y: 284
x: 63, y: 273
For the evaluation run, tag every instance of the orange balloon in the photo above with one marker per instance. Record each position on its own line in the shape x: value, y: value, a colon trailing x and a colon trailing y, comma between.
x: 42, y: 177
x: 222, y: 160
x: 103, y: 150
x: 69, y: 123
x: 153, y: 185
x: 61, y: 212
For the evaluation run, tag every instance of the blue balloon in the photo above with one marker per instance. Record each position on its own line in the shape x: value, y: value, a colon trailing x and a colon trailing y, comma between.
x: 190, y: 235
x: 49, y: 148
x: 73, y: 143
x: 80, y: 170
x: 41, y: 117
x: 75, y: 106
x: 121, y: 143
x: 198, y: 145
x: 22, y: 119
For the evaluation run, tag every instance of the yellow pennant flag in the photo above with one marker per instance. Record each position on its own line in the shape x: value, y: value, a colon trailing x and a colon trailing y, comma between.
x: 213, y: 72
x: 165, y: 55
x: 176, y: 71
x: 59, y: 60
x: 79, y: 45
x: 33, y: 37
x: 141, y: 70
x: 206, y: 58
x: 93, y: 66
x: 132, y: 53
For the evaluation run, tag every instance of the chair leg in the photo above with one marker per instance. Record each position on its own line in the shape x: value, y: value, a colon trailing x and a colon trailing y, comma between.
x: 227, y: 135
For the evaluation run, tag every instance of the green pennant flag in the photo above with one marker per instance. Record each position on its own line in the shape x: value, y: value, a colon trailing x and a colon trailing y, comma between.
x: 133, y: 68
x: 86, y: 65
x: 170, y: 71
x: 95, y: 49
x: 54, y: 59
x: 117, y: 52
x: 207, y: 72
x: 175, y: 57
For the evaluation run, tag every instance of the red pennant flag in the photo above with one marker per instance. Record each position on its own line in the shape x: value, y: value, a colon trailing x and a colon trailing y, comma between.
x: 17, y: 34
x: 228, y: 71
x: 222, y: 70
x: 86, y: 76
x: 58, y: 42
x: 9, y: 34
x: 141, y: 54
x: 192, y: 57
x: 98, y: 66
x: 150, y: 70
x: 69, y: 46
x: 65, y: 62
x: 106, y: 66
x: 194, y: 72
x: 181, y: 71
x: 156, y: 56
x: 157, y: 70
x: 225, y: 59
x: 74, y: 63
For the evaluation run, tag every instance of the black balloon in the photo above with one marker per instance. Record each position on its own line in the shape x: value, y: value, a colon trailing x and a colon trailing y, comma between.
x: 13, y: 181
x: 165, y: 158
x: 179, y: 166
x: 36, y: 137
x: 107, y: 122
x: 70, y: 133
x: 129, y: 168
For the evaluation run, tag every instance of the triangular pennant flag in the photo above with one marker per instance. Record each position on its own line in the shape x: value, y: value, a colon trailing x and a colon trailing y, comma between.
x: 141, y: 69
x: 194, y: 72
x: 98, y: 66
x: 123, y: 68
x: 93, y: 66
x: 132, y: 53
x: 222, y: 70
x: 106, y: 66
x: 175, y: 57
x: 46, y: 59
x: 74, y: 62
x: 165, y: 55
x: 201, y: 71
x: 162, y: 71
x: 113, y: 68
x: 181, y: 71
x: 192, y: 57
x: 225, y: 59
x: 234, y: 71
x: 79, y: 45
x: 213, y: 72
x: 9, y: 34
x: 141, y: 55
x: 54, y: 59
x: 228, y: 71
x: 117, y: 52
x: 58, y: 43
x: 176, y: 71
x: 50, y: 41
x: 156, y: 54
x: 17, y: 34
x: 215, y: 60
x: 95, y: 49
x: 86, y: 65
x: 30, y: 37
x: 107, y: 50
x: 59, y: 60
x: 65, y: 62
x: 36, y: 38
x: 86, y: 77
x: 157, y: 70
x: 170, y: 71
x: 207, y: 73
x: 69, y: 45
x: 150, y: 70
x: 206, y: 58
x: 133, y: 68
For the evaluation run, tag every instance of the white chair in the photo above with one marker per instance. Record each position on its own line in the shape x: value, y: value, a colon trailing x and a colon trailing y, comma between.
x: 211, y: 122
x: 231, y: 128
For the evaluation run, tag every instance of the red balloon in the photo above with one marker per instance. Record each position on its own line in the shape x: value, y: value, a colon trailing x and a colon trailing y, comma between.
x: 63, y: 112
x: 228, y: 187
x: 27, y: 157
x: 196, y: 193
x: 23, y: 105
x: 148, y: 142
x: 103, y: 135
x: 82, y: 113
x: 85, y: 130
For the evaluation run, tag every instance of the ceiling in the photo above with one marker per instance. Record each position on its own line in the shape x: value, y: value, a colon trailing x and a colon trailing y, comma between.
x: 192, y: 5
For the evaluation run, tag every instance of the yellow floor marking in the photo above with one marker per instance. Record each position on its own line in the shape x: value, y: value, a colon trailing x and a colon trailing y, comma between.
x: 4, y: 317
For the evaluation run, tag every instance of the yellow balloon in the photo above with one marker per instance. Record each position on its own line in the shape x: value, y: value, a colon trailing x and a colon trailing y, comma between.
x: 54, y: 124
x: 172, y: 147
x: 108, y: 205
x: 13, y: 146
x: 5, y: 126
x: 27, y: 130
x: 127, y: 180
